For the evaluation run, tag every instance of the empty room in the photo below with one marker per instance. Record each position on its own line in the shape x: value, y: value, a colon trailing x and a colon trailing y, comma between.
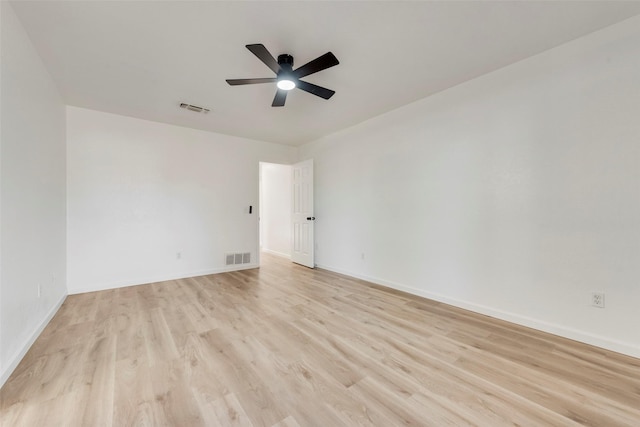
x: 320, y: 213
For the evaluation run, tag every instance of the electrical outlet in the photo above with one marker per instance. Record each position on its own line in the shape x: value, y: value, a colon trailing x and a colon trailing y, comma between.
x: 597, y: 299
x: 362, y: 256
x: 39, y: 290
x: 178, y: 255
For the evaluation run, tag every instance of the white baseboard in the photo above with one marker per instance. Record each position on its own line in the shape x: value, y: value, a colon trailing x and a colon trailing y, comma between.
x: 22, y: 351
x: 144, y: 280
x: 552, y: 328
x: 280, y: 254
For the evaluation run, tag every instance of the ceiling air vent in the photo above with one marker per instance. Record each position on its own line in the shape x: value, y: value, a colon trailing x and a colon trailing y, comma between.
x: 194, y: 108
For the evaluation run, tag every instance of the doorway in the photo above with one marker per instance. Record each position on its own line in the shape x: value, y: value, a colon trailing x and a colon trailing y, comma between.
x: 275, y: 209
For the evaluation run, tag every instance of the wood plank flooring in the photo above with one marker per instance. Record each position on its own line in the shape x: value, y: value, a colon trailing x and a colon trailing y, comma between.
x: 287, y: 346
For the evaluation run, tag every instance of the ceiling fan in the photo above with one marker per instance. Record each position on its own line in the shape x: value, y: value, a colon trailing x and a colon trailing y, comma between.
x: 286, y: 77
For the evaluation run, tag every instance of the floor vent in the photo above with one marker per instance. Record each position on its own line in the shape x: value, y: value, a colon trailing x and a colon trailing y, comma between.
x: 239, y: 258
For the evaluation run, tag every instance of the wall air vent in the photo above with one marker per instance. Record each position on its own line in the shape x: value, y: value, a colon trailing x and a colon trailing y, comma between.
x: 194, y: 108
x: 237, y: 258
x: 229, y: 259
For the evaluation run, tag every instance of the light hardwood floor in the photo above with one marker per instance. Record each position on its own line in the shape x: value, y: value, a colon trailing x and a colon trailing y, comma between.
x: 284, y: 345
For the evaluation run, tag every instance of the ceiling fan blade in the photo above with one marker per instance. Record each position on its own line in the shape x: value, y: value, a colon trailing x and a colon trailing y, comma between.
x: 236, y: 82
x: 278, y: 100
x: 263, y: 55
x: 320, y: 63
x: 315, y: 89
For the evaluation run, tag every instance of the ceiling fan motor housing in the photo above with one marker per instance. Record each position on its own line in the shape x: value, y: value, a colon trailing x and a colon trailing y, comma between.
x: 286, y: 62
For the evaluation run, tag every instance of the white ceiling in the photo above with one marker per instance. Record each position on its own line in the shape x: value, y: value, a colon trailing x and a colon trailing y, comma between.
x: 143, y: 58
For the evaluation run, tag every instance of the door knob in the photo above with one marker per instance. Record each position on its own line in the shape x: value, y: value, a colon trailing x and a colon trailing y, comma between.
x: 311, y: 218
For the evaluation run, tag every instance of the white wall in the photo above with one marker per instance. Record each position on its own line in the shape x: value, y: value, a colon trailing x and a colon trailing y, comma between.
x: 516, y: 194
x: 141, y: 191
x: 275, y: 208
x: 32, y: 194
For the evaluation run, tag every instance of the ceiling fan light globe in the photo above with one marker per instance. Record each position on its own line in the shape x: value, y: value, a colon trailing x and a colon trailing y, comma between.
x: 286, y: 84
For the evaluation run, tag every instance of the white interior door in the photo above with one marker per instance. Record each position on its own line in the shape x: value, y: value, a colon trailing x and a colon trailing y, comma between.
x: 302, y: 213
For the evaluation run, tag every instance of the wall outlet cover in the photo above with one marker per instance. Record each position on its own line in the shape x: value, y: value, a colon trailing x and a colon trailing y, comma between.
x: 597, y: 299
